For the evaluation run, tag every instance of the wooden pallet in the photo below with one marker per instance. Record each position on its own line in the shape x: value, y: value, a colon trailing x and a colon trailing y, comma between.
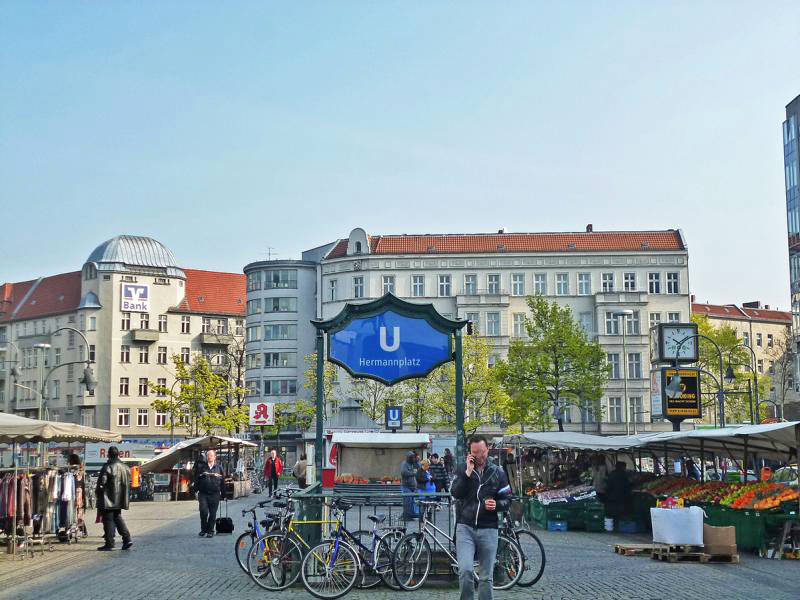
x: 675, y: 554
x: 634, y: 549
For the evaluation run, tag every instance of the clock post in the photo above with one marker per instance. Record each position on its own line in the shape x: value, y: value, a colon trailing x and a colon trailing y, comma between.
x: 675, y: 343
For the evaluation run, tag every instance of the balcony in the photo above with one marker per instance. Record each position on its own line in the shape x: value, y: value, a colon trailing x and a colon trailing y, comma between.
x: 480, y: 297
x: 216, y: 339
x: 145, y: 335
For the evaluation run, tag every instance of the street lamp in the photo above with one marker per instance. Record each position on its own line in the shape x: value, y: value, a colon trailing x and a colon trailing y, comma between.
x: 752, y: 367
x: 721, y: 391
x: 624, y: 314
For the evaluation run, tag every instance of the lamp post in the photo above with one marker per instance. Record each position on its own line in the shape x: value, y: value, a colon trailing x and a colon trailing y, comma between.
x: 624, y: 314
x: 721, y: 392
x: 753, y: 415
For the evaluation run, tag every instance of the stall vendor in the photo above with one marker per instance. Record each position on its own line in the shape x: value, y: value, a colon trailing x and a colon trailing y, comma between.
x: 618, y: 493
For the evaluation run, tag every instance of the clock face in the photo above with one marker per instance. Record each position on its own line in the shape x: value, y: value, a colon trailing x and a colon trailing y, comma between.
x: 673, y: 336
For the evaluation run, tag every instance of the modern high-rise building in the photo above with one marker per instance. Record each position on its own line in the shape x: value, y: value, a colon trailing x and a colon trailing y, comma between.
x: 791, y: 133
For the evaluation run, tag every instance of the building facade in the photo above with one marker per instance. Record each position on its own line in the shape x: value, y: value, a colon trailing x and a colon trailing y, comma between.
x: 136, y: 309
x: 486, y: 277
x: 791, y: 157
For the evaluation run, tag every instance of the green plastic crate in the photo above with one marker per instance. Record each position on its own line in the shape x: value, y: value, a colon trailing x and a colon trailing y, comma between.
x: 595, y: 526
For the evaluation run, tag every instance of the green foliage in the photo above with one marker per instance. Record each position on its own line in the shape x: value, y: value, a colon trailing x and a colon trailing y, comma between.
x: 557, y: 365
x: 417, y: 397
x: 201, y: 400
x: 329, y: 384
x: 297, y: 415
x: 373, y: 396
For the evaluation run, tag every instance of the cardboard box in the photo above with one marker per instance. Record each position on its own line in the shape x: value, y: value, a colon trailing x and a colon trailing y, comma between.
x: 677, y: 526
x: 719, y: 540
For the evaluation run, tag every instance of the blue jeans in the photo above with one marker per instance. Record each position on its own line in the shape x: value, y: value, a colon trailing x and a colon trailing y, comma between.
x: 410, y: 507
x: 475, y: 544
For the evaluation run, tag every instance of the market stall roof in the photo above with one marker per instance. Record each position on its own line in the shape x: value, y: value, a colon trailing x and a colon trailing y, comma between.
x: 571, y: 440
x: 184, y: 449
x: 381, y: 439
x: 14, y: 428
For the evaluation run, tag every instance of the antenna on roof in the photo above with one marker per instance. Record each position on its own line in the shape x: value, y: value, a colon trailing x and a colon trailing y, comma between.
x: 269, y: 252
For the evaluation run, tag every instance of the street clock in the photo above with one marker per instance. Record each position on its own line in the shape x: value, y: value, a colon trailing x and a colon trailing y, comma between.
x: 665, y: 338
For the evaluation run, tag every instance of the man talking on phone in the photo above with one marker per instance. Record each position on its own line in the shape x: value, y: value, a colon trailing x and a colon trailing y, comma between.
x: 482, y: 490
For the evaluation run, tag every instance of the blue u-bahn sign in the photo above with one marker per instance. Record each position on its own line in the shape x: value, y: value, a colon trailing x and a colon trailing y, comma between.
x: 389, y: 339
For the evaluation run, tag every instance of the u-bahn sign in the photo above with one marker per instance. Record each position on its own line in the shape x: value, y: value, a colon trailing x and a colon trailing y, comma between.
x: 389, y: 339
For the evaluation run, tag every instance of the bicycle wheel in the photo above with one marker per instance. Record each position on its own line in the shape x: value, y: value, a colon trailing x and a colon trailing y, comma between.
x: 508, y: 564
x: 411, y: 561
x: 274, y: 561
x: 330, y: 569
x: 243, y: 543
x: 369, y: 577
x: 533, y: 557
x: 383, y: 557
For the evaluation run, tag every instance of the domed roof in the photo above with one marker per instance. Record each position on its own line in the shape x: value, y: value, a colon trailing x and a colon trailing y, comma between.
x: 127, y: 252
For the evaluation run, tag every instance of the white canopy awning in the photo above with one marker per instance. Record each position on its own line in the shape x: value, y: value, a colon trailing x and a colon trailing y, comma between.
x: 381, y: 440
x: 571, y: 440
x: 14, y: 428
x: 184, y: 450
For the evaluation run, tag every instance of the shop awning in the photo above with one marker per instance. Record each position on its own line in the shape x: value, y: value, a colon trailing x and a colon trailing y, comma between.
x: 14, y: 428
x: 571, y: 440
x: 184, y: 450
x: 381, y: 440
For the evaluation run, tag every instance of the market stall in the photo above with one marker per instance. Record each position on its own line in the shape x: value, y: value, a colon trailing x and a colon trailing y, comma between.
x: 364, y: 458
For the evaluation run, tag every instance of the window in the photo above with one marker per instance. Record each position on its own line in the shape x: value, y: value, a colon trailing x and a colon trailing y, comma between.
x: 517, y: 284
x: 123, y: 417
x: 239, y: 329
x: 540, y: 284
x: 745, y: 338
x: 87, y: 416
x: 142, y: 415
x: 612, y: 324
x: 388, y: 284
x: 674, y: 317
x: 629, y: 282
x: 124, y: 386
x: 771, y: 369
x: 607, y: 282
x: 92, y: 353
x: 253, y: 361
x: 252, y: 385
x: 185, y: 356
x: 655, y: 319
x: 760, y: 365
x: 493, y: 323
x: 254, y: 281
x: 445, y: 288
x: 493, y: 283
x: 358, y: 287
x: 144, y: 355
x: 770, y: 340
x: 613, y: 363
x: 280, y: 279
x: 470, y: 284
x: 144, y: 321
x: 161, y: 357
x: 161, y: 419
x: 126, y: 321
x: 634, y: 365
x: 654, y: 283
x: 519, y: 325
x: 56, y: 389
x: 222, y: 327
x: 586, y: 320
x: 186, y: 324
x: 637, y: 409
x: 254, y: 307
x: 759, y: 340
x: 632, y: 323
x: 162, y: 323
x: 81, y: 321
x: 562, y: 284
x: 280, y: 360
x: 162, y: 383
x: 584, y: 284
x: 70, y: 402
x: 332, y: 289
x: 280, y: 332
x: 206, y: 328
x: 125, y: 353
x: 70, y: 372
x: 673, y: 286
x: 475, y: 318
x: 71, y: 339
x: 417, y: 285
x: 92, y: 323
x: 280, y: 387
x: 615, y: 409
x: 253, y: 334
x: 57, y: 356
x: 90, y: 271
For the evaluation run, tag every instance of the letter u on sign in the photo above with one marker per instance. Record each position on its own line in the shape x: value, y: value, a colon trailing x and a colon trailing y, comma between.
x: 394, y: 414
x: 395, y: 339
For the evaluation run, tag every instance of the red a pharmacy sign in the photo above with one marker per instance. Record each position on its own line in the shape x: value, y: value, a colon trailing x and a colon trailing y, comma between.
x: 262, y: 413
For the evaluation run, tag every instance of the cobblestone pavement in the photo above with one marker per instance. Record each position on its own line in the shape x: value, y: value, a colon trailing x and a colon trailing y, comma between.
x: 169, y: 561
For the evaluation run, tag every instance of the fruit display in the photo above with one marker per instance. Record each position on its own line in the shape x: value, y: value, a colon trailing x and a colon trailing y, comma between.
x: 738, y: 496
x: 353, y: 478
x: 667, y: 486
x: 569, y: 494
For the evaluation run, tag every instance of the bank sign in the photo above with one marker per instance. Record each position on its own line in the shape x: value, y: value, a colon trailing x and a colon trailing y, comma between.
x: 135, y: 297
x: 389, y: 347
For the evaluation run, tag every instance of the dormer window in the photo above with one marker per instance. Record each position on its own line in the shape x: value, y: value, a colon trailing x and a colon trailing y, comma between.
x: 89, y: 271
x: 358, y: 247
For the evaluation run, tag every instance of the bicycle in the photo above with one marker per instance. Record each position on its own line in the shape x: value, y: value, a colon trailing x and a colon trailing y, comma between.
x: 533, y: 555
x: 411, y: 560
x: 256, y: 529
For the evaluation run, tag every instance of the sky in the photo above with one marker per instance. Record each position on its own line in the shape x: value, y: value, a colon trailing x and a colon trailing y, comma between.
x: 236, y: 131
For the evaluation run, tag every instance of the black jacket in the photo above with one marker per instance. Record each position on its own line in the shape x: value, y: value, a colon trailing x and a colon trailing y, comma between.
x: 113, y: 486
x: 473, y: 491
x: 209, y: 480
x: 408, y: 471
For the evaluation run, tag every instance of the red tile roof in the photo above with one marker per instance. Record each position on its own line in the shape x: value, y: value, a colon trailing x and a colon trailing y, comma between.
x: 212, y: 292
x: 51, y: 296
x: 479, y: 243
x: 731, y: 311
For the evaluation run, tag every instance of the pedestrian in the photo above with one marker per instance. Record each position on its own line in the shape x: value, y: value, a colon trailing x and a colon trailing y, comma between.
x: 424, y: 477
x: 619, y: 501
x: 599, y: 476
x: 449, y: 464
x: 299, y: 471
x: 482, y: 490
x: 439, y: 474
x: 408, y: 471
x: 209, y: 479
x: 113, y: 490
x: 273, y: 468
x: 692, y: 470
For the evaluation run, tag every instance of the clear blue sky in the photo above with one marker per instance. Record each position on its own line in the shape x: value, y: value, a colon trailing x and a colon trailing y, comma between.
x: 222, y: 130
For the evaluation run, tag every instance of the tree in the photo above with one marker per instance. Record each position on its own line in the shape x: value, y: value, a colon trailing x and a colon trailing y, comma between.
x: 330, y: 373
x: 417, y: 397
x: 233, y: 367
x: 200, y: 403
x: 555, y: 365
x: 372, y: 396
x: 782, y: 355
x: 483, y: 393
x: 297, y: 416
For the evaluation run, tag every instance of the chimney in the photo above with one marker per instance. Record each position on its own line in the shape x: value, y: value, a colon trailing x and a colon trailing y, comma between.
x: 502, y: 230
x: 589, y: 228
x: 766, y: 307
x: 692, y: 298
